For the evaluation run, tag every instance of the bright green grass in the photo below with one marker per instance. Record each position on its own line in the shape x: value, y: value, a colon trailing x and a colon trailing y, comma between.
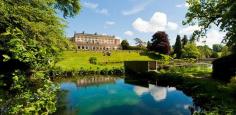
x: 71, y: 60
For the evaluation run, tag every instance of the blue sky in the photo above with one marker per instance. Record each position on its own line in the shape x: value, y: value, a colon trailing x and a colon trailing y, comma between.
x: 129, y: 19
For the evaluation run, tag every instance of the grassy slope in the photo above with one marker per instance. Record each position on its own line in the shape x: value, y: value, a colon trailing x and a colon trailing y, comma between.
x: 71, y: 60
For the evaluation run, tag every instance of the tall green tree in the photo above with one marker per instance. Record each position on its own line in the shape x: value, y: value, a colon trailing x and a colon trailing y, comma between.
x: 31, y: 38
x: 178, y: 47
x: 184, y: 40
x: 125, y: 45
x: 149, y: 44
x: 206, y: 13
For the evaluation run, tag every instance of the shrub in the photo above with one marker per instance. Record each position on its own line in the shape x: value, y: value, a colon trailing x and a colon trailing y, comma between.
x: 215, y: 55
x: 191, y: 51
x: 93, y: 60
x: 232, y: 85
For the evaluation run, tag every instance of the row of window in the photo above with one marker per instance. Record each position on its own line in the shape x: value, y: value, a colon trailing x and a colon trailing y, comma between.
x: 94, y: 40
x: 96, y: 48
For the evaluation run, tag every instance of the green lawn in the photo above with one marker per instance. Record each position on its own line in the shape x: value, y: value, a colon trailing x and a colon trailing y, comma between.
x: 72, y: 60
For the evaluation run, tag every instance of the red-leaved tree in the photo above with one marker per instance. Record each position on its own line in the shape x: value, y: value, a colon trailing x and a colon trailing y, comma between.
x: 160, y: 43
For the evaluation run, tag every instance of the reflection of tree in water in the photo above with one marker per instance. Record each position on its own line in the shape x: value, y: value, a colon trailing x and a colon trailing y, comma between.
x: 62, y: 102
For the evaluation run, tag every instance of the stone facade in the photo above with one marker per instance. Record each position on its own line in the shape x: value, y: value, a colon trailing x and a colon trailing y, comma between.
x: 96, y: 42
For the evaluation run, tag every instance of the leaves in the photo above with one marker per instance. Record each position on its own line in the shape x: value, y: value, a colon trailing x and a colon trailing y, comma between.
x: 31, y: 38
x: 220, y: 13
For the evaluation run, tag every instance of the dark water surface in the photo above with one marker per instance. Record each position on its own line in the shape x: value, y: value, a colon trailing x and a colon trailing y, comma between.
x: 118, y: 96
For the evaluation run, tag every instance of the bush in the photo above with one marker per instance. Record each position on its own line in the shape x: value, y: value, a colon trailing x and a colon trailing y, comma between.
x: 224, y: 68
x: 93, y: 60
x: 232, y: 85
x: 191, y: 51
x: 215, y: 55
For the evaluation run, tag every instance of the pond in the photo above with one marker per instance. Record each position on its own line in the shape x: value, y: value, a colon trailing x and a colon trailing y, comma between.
x: 116, y: 96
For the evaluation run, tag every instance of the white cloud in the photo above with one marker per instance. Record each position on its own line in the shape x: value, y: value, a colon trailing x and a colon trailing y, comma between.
x: 129, y: 33
x: 94, y: 6
x: 102, y: 11
x: 158, y: 22
x: 212, y: 37
x: 110, y: 22
x: 172, y: 26
x: 158, y: 93
x: 137, y: 8
x: 184, y: 5
x: 140, y: 90
x: 90, y: 5
x: 189, y: 30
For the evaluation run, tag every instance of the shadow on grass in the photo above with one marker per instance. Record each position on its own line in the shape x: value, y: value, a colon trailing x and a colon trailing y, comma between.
x: 151, y: 55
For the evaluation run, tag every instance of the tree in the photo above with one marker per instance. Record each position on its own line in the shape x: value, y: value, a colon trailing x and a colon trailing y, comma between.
x: 125, y: 45
x: 184, y: 40
x: 225, y: 51
x: 160, y: 43
x: 138, y: 42
x: 206, y: 13
x: 178, y: 47
x: 191, y: 51
x: 149, y: 44
x: 31, y: 38
x: 205, y: 51
x: 217, y: 47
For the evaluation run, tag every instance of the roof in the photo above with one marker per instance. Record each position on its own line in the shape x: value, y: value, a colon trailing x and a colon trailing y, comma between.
x: 97, y: 35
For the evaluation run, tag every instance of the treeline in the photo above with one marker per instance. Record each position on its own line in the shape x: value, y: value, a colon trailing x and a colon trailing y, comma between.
x: 187, y: 48
x: 183, y: 47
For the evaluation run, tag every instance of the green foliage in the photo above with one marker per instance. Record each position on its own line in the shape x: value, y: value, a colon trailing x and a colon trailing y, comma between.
x: 215, y: 55
x: 191, y: 51
x: 232, y: 85
x: 31, y: 38
x: 139, y: 42
x: 178, y: 47
x: 165, y: 59
x: 206, y: 13
x: 125, y: 45
x: 93, y: 60
x: 136, y: 48
x: 225, y: 51
x: 214, y: 97
x: 149, y: 44
x: 205, y: 51
x: 184, y: 40
x: 217, y: 47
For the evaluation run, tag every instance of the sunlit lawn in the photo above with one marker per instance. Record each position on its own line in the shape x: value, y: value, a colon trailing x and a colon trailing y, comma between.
x: 71, y: 60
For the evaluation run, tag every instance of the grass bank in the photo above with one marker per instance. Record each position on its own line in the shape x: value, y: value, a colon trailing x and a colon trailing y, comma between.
x: 71, y: 60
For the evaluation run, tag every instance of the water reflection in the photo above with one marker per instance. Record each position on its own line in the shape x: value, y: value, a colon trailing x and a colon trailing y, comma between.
x: 101, y: 96
x: 95, y: 81
x: 158, y: 93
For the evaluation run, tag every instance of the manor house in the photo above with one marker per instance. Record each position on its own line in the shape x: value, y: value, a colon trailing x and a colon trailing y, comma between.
x: 96, y: 42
